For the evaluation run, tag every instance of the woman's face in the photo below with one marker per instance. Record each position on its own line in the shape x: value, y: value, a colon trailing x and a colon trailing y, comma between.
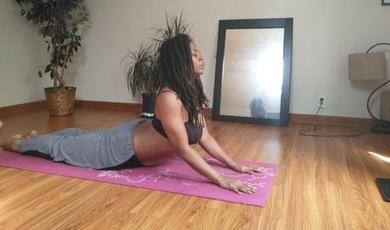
x: 197, y: 59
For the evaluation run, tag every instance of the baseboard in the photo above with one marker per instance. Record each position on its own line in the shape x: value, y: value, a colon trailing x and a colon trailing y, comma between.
x: 21, y: 108
x: 136, y: 107
x: 331, y: 120
x: 122, y: 106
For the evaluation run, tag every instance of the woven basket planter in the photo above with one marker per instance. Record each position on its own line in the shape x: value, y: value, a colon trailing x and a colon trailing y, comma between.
x: 61, y: 101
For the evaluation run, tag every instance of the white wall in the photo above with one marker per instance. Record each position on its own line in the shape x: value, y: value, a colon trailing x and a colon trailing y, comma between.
x: 20, y: 55
x: 325, y: 32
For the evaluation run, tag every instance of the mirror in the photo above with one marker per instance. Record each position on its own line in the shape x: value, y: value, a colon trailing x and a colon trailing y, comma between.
x: 252, y: 78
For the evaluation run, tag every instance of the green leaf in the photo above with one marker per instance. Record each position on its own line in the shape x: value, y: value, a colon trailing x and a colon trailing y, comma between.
x: 57, y: 21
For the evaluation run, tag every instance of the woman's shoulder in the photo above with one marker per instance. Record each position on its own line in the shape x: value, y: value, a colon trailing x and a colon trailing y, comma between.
x: 167, y: 104
x: 167, y: 98
x: 167, y: 91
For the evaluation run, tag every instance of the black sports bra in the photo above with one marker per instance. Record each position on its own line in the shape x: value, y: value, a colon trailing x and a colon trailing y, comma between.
x: 194, y: 130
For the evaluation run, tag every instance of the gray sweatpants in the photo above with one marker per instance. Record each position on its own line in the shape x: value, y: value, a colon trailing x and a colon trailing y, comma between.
x: 97, y: 149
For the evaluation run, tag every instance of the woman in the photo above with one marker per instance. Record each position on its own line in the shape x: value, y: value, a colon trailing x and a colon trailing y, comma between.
x: 178, y: 123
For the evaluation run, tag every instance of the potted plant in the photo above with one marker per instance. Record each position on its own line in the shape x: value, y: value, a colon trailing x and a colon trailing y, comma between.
x: 174, y: 26
x: 142, y: 72
x: 141, y: 77
x: 60, y: 23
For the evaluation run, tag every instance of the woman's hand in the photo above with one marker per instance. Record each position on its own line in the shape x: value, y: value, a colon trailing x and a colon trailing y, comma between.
x: 247, y: 169
x: 236, y: 186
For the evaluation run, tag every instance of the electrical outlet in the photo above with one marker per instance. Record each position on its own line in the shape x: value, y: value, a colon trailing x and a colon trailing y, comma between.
x: 322, y: 102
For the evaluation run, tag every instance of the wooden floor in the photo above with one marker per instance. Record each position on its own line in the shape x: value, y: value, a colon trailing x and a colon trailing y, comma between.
x: 322, y: 183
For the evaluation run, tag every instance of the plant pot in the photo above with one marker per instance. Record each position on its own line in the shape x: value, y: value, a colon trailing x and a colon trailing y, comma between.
x: 60, y: 101
x: 147, y: 105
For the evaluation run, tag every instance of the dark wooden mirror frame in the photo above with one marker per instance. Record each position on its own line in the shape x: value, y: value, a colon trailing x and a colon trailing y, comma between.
x: 224, y: 25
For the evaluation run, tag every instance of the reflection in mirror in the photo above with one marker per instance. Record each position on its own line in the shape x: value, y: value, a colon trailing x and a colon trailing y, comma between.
x: 252, y: 77
x: 253, y: 61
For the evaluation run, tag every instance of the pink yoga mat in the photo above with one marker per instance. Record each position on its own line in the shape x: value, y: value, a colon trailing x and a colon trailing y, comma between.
x: 173, y: 176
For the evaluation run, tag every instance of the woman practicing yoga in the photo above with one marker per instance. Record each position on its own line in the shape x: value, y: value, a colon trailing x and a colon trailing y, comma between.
x: 178, y: 123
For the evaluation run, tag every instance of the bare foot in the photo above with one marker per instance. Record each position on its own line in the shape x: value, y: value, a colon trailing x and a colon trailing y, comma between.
x: 32, y: 133
x: 15, y: 142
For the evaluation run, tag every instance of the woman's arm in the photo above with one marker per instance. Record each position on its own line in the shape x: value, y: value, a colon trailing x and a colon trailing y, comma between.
x: 168, y: 108
x: 211, y: 146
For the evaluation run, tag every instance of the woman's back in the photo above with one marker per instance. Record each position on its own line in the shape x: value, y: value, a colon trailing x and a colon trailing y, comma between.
x: 149, y: 144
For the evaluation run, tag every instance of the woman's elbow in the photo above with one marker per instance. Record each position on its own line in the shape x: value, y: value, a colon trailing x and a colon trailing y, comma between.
x: 182, y: 149
x: 206, y: 137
